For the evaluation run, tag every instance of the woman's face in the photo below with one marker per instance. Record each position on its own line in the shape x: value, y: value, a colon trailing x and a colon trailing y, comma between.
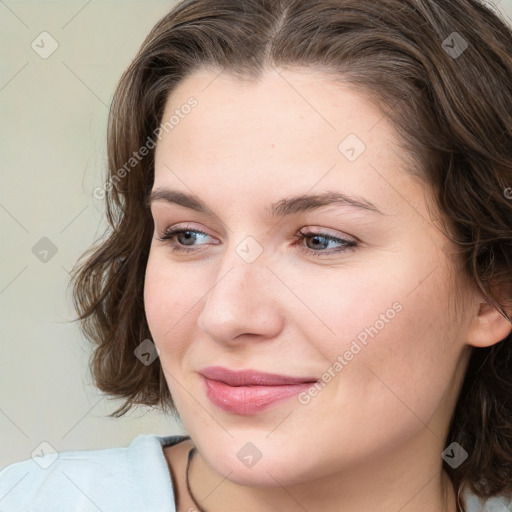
x: 368, y: 313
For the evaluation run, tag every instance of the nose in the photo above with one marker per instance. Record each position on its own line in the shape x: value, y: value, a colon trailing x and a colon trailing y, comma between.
x: 245, y: 300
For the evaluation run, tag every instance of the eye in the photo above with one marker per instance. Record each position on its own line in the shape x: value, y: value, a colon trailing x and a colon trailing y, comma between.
x: 181, y: 239
x: 188, y: 238
x: 322, y: 240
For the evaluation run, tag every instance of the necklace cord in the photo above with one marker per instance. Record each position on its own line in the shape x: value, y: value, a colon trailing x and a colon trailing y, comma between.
x: 459, y: 506
x: 191, y: 454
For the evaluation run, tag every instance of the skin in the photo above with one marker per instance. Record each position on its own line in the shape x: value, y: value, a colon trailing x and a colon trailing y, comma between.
x: 372, y: 438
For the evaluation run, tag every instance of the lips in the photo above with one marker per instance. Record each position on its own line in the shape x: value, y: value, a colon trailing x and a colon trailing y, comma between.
x: 251, y: 377
x: 250, y: 392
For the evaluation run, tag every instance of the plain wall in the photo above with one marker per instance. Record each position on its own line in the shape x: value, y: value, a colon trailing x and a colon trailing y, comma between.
x: 53, y: 147
x: 53, y: 116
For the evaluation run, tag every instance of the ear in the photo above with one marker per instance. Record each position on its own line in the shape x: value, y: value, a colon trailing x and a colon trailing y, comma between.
x: 488, y: 325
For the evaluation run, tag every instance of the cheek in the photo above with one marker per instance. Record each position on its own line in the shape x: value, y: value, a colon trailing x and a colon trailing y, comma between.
x: 343, y: 307
x: 398, y: 342
x: 172, y: 298
x: 154, y: 286
x: 163, y: 302
x: 408, y: 365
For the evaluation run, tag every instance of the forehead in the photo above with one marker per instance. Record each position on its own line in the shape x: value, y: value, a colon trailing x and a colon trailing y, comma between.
x: 283, y: 106
x: 292, y: 130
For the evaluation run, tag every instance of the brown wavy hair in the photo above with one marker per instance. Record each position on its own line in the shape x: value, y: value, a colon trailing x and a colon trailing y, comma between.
x: 451, y: 106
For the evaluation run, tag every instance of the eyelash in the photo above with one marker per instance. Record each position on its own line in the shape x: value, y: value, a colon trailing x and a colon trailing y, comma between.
x: 348, y: 245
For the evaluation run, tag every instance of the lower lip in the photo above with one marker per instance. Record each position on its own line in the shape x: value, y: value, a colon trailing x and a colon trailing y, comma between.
x: 249, y: 400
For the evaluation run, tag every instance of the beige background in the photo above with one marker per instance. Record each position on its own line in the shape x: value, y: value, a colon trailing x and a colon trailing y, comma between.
x: 53, y: 115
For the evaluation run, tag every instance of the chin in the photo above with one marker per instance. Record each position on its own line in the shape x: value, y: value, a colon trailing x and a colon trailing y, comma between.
x: 257, y: 477
x: 273, y: 470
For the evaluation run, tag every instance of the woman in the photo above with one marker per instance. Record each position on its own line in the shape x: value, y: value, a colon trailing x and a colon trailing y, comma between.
x: 309, y: 264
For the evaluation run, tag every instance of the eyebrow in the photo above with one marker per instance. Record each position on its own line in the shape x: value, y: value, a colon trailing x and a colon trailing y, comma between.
x: 283, y: 207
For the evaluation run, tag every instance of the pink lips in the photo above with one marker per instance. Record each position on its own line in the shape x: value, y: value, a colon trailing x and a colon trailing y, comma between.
x: 248, y: 392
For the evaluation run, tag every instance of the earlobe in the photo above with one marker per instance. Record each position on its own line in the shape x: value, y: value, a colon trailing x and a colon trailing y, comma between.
x: 488, y: 327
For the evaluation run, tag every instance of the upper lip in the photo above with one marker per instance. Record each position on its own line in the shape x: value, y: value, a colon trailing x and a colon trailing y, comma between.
x: 251, y: 377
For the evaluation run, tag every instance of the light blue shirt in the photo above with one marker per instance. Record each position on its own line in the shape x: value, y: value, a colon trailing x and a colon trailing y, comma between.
x: 131, y: 479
